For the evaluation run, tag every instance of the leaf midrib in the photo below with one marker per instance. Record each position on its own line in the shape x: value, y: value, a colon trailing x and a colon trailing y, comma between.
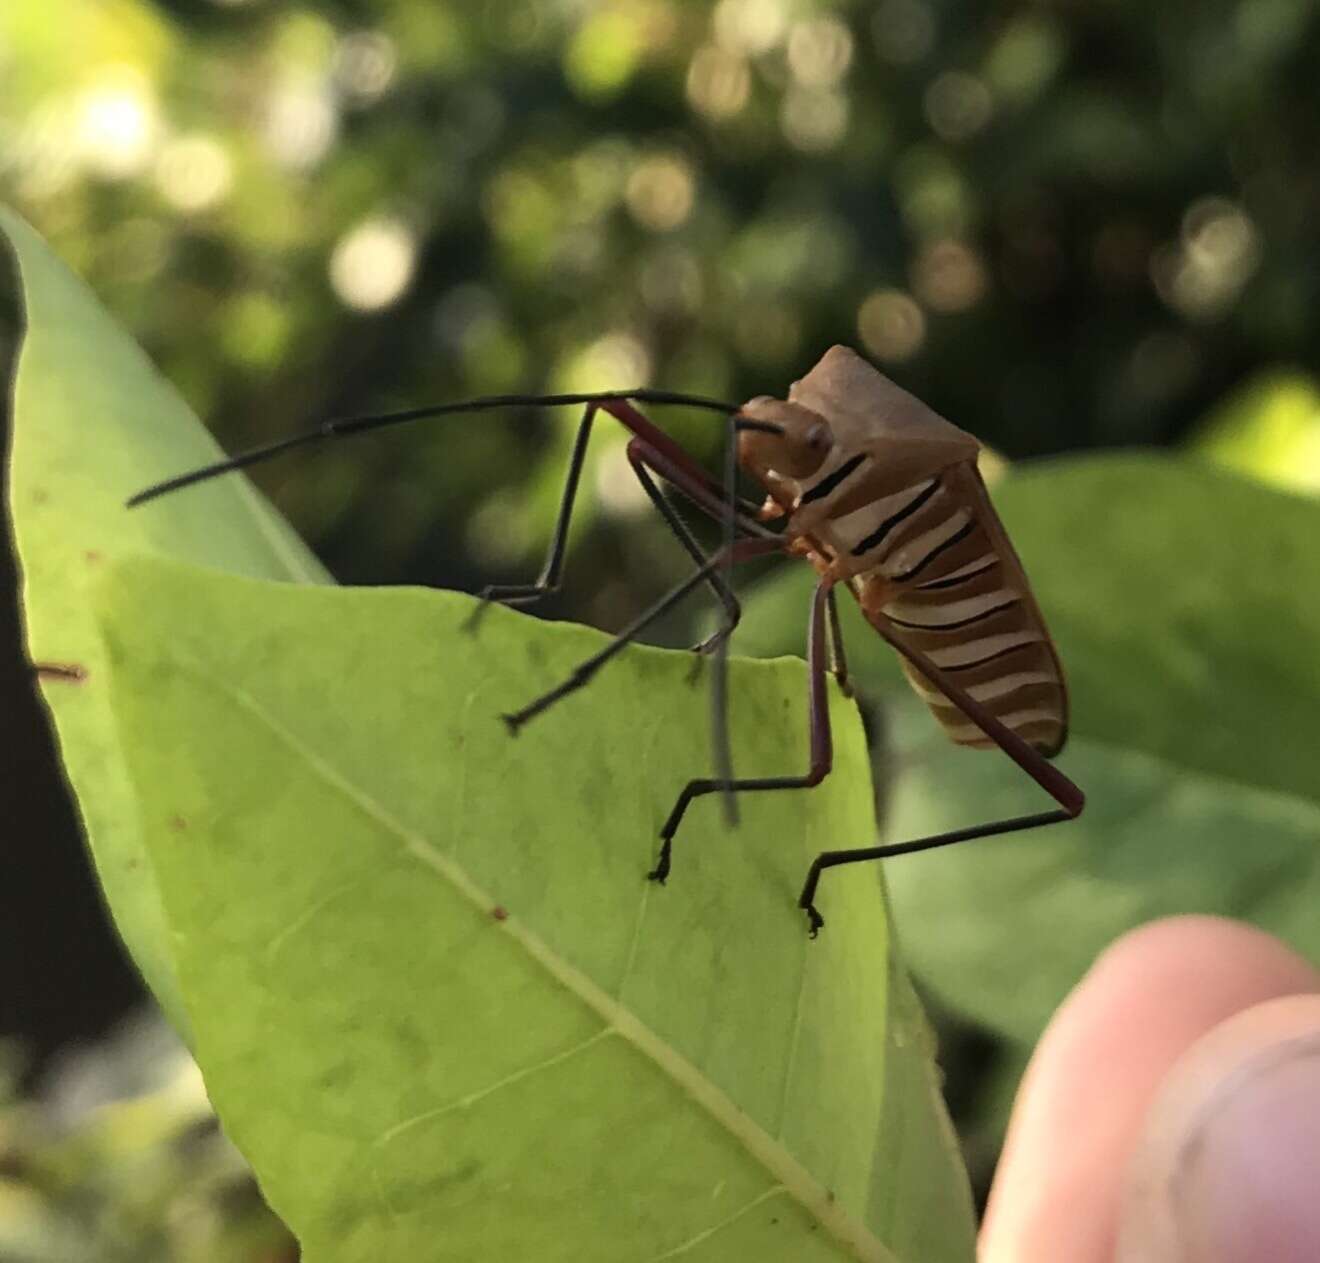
x: 764, y: 1149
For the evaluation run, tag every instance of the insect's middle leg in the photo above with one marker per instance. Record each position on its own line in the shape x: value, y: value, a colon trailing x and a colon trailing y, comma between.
x: 838, y: 658
x: 822, y: 744
x: 553, y: 569
x: 743, y: 550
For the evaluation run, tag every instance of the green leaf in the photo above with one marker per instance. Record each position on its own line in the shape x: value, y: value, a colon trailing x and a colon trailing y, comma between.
x: 93, y: 422
x: 1268, y: 428
x: 436, y: 1002
x: 304, y: 811
x: 1186, y: 607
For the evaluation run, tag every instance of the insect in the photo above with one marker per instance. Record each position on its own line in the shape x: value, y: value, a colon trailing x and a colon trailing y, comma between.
x: 882, y: 497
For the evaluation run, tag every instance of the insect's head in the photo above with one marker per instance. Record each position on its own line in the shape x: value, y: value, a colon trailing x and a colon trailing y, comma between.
x: 781, y: 438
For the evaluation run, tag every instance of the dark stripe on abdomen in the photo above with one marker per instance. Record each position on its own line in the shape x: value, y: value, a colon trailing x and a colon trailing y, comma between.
x: 877, y: 536
x: 935, y: 585
x: 962, y: 622
x: 999, y: 653
x: 956, y: 538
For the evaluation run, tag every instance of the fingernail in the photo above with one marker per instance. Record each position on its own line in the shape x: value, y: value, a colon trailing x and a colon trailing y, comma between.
x: 1245, y: 1185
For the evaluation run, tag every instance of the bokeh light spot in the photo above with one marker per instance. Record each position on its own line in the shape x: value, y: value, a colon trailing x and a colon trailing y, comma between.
x: 255, y: 330
x: 660, y: 192
x: 891, y: 325
x: 365, y: 65
x: 605, y: 51
x: 670, y: 281
x: 1202, y: 274
x: 957, y: 105
x: 819, y: 52
x: 814, y: 120
x: 117, y: 123
x: 301, y: 122
x: 194, y: 172
x: 1025, y: 58
x: 749, y: 26
x: 719, y: 82
x: 619, y: 492
x: 948, y: 275
x: 617, y: 361
x: 372, y: 265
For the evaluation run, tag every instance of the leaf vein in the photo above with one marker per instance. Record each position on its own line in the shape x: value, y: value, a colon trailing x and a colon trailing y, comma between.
x: 705, y: 1235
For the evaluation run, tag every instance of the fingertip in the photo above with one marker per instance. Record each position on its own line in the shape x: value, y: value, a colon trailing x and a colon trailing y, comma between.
x: 1225, y: 1170
x: 1082, y: 1103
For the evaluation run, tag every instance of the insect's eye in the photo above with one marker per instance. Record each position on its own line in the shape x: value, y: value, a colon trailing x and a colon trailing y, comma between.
x: 818, y: 437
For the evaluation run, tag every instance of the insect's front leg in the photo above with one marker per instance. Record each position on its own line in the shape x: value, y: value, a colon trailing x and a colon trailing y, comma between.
x: 642, y: 455
x: 552, y: 570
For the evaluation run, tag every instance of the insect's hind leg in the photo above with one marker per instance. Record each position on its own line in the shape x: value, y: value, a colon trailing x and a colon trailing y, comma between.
x: 861, y: 855
x: 552, y: 570
x: 822, y: 744
x: 1070, y: 798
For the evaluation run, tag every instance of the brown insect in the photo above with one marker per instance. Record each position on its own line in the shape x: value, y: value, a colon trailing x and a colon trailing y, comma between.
x: 881, y: 496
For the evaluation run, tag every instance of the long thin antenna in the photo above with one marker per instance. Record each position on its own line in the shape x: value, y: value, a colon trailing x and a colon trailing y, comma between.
x: 342, y: 426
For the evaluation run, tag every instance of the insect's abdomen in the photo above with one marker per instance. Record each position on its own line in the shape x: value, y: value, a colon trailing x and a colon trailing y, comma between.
x: 934, y: 562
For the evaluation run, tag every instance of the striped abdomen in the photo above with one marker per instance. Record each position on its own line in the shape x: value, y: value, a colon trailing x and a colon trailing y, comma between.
x: 932, y: 559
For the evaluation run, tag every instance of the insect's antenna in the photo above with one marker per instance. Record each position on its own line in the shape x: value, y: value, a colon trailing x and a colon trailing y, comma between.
x: 340, y: 427
x: 719, y: 684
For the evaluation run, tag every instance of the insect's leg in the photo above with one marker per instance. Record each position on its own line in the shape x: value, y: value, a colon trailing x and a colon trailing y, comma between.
x: 831, y: 859
x: 822, y: 745
x: 1070, y: 798
x: 838, y: 659
x: 526, y: 593
x: 640, y: 455
x: 743, y: 550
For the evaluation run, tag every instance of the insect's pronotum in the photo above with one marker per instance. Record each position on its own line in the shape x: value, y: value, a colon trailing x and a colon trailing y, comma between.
x: 881, y: 496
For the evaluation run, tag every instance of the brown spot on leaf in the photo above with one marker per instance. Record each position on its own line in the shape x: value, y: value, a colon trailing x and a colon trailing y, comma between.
x: 499, y: 912
x: 93, y: 555
x: 178, y: 824
x: 65, y: 672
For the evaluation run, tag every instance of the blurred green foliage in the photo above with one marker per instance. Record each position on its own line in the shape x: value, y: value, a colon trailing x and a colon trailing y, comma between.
x: 1064, y: 226
x: 120, y: 1160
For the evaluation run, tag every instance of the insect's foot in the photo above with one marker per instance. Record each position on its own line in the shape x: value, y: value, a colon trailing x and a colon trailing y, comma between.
x: 514, y: 722
x: 661, y: 871
x: 815, y: 922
